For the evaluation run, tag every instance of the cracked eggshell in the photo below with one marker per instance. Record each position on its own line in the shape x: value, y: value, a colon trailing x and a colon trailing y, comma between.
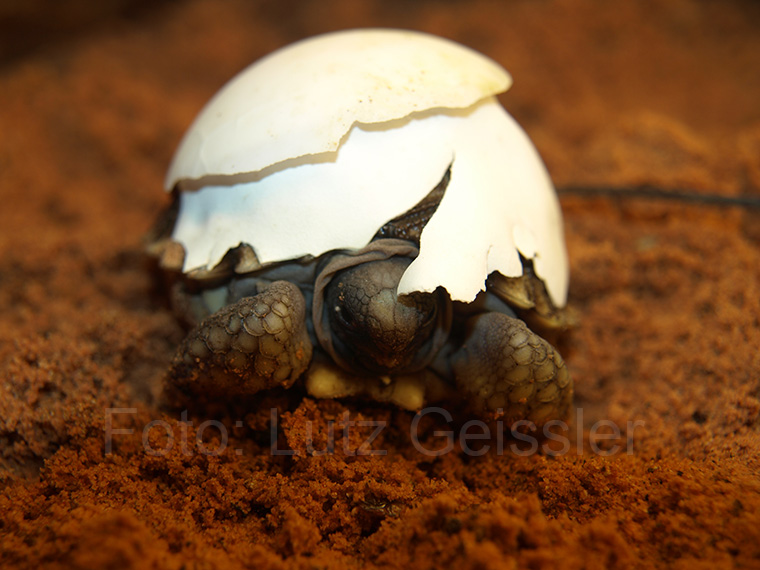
x: 302, y: 99
x: 319, y: 144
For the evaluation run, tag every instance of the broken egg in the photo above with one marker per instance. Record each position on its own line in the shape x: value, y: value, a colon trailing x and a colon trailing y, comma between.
x: 316, y: 146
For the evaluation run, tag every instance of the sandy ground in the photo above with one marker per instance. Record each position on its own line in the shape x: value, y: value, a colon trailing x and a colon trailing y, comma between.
x: 616, y: 93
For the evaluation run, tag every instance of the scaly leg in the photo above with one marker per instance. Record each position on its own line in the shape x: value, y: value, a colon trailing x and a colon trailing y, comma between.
x: 256, y: 343
x: 505, y: 369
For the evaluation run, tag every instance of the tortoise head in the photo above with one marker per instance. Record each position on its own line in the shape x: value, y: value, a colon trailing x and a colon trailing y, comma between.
x: 376, y: 330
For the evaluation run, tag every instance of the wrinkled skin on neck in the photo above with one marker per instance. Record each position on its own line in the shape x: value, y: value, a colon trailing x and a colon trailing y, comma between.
x: 377, y: 331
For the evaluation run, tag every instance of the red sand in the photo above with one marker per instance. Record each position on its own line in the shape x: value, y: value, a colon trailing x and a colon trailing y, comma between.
x: 668, y: 294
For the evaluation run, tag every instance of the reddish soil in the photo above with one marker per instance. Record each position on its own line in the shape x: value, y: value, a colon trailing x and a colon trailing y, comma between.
x: 613, y: 93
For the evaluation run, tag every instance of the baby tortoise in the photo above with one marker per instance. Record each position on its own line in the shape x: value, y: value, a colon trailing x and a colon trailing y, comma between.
x: 358, y: 209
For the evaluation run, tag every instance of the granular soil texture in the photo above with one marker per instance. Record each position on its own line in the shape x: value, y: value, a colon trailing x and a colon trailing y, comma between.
x: 659, y: 468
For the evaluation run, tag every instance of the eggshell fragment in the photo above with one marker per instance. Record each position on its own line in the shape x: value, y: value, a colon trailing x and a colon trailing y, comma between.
x: 302, y: 99
x: 312, y: 208
x: 500, y: 200
x: 318, y: 145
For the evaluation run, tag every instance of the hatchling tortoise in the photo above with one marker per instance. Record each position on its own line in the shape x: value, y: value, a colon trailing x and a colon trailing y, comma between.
x: 357, y: 209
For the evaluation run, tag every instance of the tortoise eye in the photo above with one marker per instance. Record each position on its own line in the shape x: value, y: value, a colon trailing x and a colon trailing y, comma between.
x: 345, y: 318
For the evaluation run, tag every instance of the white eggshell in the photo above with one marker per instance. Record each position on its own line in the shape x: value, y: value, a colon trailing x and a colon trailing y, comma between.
x: 313, y: 208
x: 500, y: 200
x: 318, y: 145
x: 302, y: 99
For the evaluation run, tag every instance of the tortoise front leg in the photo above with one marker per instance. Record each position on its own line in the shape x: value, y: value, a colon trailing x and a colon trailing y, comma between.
x: 505, y: 369
x: 257, y: 343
